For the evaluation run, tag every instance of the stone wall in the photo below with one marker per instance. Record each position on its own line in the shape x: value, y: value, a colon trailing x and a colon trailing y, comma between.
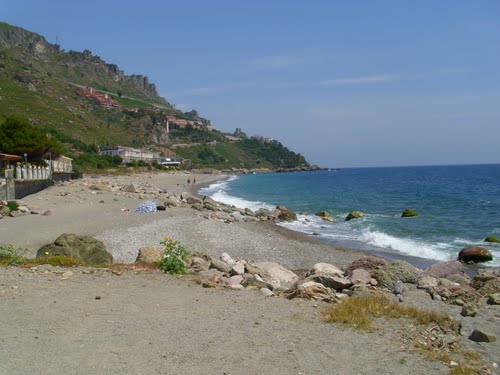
x: 62, y: 176
x: 27, y: 187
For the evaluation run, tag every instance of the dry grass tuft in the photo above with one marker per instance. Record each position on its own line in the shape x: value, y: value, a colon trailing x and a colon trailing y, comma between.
x: 463, y: 370
x: 360, y: 311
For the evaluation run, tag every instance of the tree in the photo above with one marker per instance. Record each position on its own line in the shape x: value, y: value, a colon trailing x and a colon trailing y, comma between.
x: 17, y: 137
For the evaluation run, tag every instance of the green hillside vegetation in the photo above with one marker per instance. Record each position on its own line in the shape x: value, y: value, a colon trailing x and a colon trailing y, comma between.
x: 247, y: 153
x: 17, y: 137
x: 39, y: 83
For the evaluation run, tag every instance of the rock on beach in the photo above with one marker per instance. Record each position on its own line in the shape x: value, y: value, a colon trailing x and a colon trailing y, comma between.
x: 475, y: 254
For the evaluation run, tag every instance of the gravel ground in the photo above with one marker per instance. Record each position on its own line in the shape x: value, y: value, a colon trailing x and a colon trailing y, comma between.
x: 158, y: 324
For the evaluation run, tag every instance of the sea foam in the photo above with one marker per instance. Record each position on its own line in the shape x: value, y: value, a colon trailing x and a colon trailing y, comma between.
x: 219, y: 192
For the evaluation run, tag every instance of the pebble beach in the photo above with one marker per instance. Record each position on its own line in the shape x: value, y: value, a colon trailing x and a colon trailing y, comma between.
x: 216, y: 330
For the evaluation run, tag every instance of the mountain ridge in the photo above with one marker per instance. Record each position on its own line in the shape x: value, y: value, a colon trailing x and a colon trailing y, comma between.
x: 85, y: 102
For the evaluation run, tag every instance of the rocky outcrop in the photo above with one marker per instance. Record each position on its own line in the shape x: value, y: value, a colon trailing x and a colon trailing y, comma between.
x: 368, y: 263
x: 408, y: 212
x: 285, y: 214
x: 397, y: 270
x: 493, y: 239
x: 325, y: 215
x: 325, y: 269
x: 149, y: 255
x: 444, y: 269
x: 277, y: 275
x: 474, y: 254
x: 482, y: 336
x: 354, y: 215
x: 486, y: 282
x: 83, y: 248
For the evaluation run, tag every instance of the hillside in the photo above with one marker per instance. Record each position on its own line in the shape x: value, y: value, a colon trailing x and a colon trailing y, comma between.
x: 84, y: 102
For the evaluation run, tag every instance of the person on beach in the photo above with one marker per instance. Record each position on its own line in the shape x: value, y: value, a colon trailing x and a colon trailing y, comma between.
x: 194, y: 181
x: 189, y: 181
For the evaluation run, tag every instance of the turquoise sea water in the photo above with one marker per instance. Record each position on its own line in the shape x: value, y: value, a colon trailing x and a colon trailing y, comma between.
x: 457, y: 205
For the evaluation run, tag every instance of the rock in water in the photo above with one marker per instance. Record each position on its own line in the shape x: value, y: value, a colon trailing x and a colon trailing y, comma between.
x: 492, y: 239
x: 354, y: 215
x: 474, y: 254
x: 325, y: 216
x: 83, y: 248
x: 408, y: 212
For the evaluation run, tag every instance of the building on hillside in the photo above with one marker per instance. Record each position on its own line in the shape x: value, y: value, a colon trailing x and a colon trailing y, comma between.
x: 129, y: 154
x: 169, y: 161
x: 231, y: 137
x: 103, y: 100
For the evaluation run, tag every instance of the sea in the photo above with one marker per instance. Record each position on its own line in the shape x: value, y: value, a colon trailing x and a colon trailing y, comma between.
x: 458, y: 206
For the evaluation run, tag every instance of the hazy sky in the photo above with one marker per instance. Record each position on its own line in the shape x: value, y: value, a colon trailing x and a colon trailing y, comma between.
x: 365, y: 83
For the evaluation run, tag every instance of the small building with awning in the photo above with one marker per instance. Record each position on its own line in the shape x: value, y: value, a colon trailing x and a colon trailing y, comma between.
x: 6, y: 161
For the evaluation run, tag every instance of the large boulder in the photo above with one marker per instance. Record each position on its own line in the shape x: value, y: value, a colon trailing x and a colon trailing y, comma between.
x: 368, y: 263
x: 354, y: 215
x: 388, y: 275
x: 325, y: 215
x: 208, y: 200
x: 285, y: 214
x: 474, y: 254
x: 486, y: 282
x: 149, y: 255
x: 360, y: 276
x: 190, y: 199
x: 492, y: 239
x: 325, y: 269
x: 172, y: 201
x: 277, y: 275
x: 408, y: 212
x: 262, y: 212
x: 444, y: 269
x: 83, y: 248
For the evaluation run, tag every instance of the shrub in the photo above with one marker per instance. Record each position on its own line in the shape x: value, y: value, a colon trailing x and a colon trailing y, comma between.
x: 8, y: 255
x: 7, y: 251
x: 174, y: 257
x: 359, y: 312
x: 12, y: 206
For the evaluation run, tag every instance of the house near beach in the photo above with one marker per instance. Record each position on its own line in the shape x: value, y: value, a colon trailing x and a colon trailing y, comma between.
x: 129, y: 154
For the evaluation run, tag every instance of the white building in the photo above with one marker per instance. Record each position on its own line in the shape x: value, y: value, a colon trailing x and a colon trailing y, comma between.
x: 129, y: 154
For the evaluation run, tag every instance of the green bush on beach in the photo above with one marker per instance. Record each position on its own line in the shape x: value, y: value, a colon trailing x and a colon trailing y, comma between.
x: 174, y: 257
x: 8, y: 255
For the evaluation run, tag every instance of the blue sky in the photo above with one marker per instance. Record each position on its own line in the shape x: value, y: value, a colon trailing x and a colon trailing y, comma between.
x: 347, y: 84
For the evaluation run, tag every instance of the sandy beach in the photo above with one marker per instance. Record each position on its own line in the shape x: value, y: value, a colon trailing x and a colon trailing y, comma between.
x: 149, y: 322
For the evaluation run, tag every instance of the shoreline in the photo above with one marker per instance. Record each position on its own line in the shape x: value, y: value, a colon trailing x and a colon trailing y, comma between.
x: 79, y: 209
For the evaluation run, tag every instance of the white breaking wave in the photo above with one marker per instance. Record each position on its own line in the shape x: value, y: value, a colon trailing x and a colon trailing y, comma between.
x: 216, y: 186
x: 406, y: 246
x: 218, y: 192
